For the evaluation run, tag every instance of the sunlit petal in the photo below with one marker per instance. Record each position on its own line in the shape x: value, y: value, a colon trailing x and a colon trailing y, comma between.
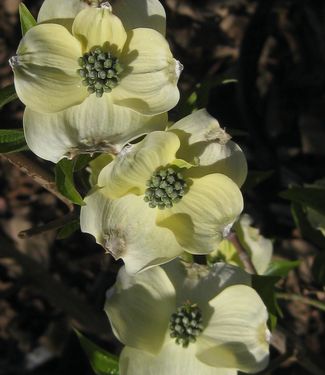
x: 173, y: 359
x: 139, y: 307
x: 134, y: 167
x: 46, y: 78
x: 58, y: 9
x: 198, y: 220
x: 97, y: 125
x: 149, y: 83
x: 236, y: 335
x: 126, y: 228
x: 98, y: 27
x: 141, y: 13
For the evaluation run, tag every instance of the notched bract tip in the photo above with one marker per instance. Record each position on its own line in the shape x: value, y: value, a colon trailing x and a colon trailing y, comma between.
x: 106, y: 5
x: 14, y: 61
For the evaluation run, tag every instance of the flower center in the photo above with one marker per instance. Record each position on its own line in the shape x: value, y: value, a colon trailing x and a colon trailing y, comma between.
x: 100, y: 71
x: 186, y: 324
x: 165, y: 187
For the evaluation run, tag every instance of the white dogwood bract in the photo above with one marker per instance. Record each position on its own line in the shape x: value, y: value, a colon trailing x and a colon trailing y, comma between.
x: 234, y: 334
x: 124, y: 215
x: 133, y: 93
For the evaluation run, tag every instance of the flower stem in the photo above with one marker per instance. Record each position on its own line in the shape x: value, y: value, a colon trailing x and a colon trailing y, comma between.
x: 244, y: 257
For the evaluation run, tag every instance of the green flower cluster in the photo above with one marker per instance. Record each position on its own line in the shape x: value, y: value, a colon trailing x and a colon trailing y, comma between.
x: 165, y: 187
x: 100, y: 71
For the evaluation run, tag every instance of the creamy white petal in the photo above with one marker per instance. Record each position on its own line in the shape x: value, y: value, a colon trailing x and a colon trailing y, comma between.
x: 131, y: 170
x: 58, y: 9
x: 139, y: 308
x: 141, y: 13
x: 45, y: 69
x: 126, y: 227
x: 259, y: 247
x: 98, y: 27
x: 149, y: 81
x: 198, y: 220
x: 200, y: 126
x: 208, y: 145
x: 97, y: 125
x: 172, y: 360
x: 236, y: 335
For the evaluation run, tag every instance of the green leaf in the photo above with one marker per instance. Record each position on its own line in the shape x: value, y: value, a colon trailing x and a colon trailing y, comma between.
x: 311, y: 197
x: 12, y: 140
x: 65, y: 183
x: 265, y: 287
x: 82, y: 161
x: 254, y: 178
x: 68, y: 229
x: 101, y: 361
x: 27, y: 21
x: 281, y: 268
x: 7, y: 95
x: 307, y: 231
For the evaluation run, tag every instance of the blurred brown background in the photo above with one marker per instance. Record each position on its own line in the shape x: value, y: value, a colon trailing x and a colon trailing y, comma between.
x: 275, y: 110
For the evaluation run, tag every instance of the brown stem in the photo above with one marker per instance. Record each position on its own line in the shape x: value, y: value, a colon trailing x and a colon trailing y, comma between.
x: 55, y: 224
x: 244, y: 257
x: 38, y: 174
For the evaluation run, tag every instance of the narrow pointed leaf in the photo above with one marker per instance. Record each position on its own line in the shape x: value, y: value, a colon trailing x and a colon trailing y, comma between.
x: 68, y: 229
x: 12, y: 140
x: 101, y: 361
x: 27, y: 21
x: 281, y: 268
x: 7, y: 95
x: 65, y: 183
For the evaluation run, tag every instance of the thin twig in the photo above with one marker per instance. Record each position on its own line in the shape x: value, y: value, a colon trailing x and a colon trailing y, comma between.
x: 55, y: 224
x: 38, y: 174
x: 244, y: 257
x: 297, y: 297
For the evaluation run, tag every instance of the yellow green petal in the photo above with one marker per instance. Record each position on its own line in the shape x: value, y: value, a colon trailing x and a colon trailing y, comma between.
x: 45, y: 69
x: 149, y: 83
x: 59, y: 9
x: 133, y: 168
x: 98, y: 27
x: 173, y: 359
x: 126, y: 228
x: 69, y: 132
x: 259, y: 248
x: 236, y: 335
x: 139, y: 308
x: 199, y: 219
x: 141, y: 13
x: 206, y: 143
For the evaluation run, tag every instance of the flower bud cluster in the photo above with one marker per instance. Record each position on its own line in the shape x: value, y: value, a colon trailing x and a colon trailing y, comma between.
x: 186, y: 324
x: 165, y: 188
x: 100, y: 71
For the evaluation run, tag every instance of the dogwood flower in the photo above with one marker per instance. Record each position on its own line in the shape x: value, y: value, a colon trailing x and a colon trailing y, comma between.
x: 90, y: 83
x: 172, y: 192
x: 182, y: 320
